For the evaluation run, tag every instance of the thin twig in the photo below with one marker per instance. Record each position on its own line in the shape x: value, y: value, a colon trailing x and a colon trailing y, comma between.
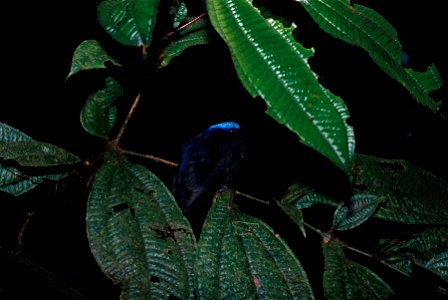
x: 184, y: 25
x: 126, y: 121
x: 252, y: 198
x: 151, y: 157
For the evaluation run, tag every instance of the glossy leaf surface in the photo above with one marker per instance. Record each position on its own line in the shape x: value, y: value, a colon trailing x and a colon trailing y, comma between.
x: 130, y: 22
x: 271, y: 64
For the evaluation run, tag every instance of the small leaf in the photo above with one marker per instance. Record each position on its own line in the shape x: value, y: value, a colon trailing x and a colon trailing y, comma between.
x: 88, y: 56
x: 196, y: 33
x: 99, y: 113
x: 180, y: 14
x: 302, y: 196
x: 240, y: 257
x: 137, y: 233
x: 345, y: 279
x: 272, y: 64
x: 367, y: 29
x: 130, y: 22
x: 363, y: 206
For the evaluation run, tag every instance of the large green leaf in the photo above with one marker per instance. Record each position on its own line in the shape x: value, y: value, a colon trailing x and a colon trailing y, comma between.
x: 138, y: 234
x: 407, y: 193
x: 99, y: 113
x: 362, y: 26
x: 130, y: 22
x: 345, y: 279
x: 89, y: 55
x: 240, y: 257
x: 271, y: 64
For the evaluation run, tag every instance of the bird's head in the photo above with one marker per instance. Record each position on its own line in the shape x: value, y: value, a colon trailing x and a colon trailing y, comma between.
x: 226, y: 126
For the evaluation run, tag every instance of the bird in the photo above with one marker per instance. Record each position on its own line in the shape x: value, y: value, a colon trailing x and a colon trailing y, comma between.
x: 210, y: 162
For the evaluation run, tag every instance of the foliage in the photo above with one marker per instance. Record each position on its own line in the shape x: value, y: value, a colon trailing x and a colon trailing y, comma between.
x: 137, y: 233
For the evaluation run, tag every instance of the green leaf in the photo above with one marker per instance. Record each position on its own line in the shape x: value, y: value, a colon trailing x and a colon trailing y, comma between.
x: 408, y: 194
x: 197, y: 33
x: 10, y: 134
x: 363, y: 206
x: 89, y: 55
x: 137, y: 233
x: 428, y: 249
x: 36, y: 154
x: 240, y: 257
x: 99, y: 113
x: 18, y: 150
x: 362, y: 26
x: 271, y: 64
x: 180, y: 14
x: 130, y: 22
x: 16, y: 182
x: 345, y: 279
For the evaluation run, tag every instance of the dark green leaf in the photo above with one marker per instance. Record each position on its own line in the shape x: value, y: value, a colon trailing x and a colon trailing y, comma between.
x: 271, y: 64
x: 240, y: 257
x: 407, y: 193
x: 89, y: 55
x: 36, y: 154
x: 16, y: 182
x: 19, y: 150
x: 363, y: 206
x: 130, y: 22
x: 428, y: 249
x: 99, y: 113
x: 345, y: 279
x: 10, y: 134
x: 365, y: 28
x: 138, y: 234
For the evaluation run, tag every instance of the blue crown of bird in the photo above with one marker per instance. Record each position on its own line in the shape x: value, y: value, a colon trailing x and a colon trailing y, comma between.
x: 210, y: 161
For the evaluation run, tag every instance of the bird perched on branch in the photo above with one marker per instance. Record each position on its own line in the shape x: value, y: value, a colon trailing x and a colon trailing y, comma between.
x: 210, y: 161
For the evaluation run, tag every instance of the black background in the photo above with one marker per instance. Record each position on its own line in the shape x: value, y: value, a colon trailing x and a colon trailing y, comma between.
x: 196, y: 90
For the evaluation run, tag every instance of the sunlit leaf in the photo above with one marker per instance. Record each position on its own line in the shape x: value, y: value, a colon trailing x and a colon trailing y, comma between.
x: 271, y: 64
x: 240, y: 257
x: 367, y: 29
x: 137, y: 233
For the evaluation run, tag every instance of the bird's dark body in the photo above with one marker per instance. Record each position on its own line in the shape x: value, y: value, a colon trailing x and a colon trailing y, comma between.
x: 210, y: 161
